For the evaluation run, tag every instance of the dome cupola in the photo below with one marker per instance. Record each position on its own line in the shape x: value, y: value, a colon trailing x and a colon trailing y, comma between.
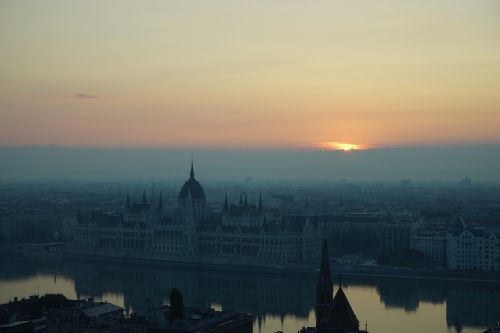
x: 192, y: 192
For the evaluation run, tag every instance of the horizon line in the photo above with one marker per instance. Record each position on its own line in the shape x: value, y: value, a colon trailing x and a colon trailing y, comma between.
x: 311, y: 147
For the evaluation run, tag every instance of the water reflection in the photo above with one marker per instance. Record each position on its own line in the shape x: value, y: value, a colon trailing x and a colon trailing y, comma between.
x: 279, y: 302
x: 403, y: 295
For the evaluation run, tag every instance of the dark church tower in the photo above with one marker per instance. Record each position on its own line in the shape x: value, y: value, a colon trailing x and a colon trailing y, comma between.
x: 333, y: 314
x: 324, y: 290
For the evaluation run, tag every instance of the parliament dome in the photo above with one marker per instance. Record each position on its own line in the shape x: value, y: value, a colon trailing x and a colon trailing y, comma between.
x: 193, y: 190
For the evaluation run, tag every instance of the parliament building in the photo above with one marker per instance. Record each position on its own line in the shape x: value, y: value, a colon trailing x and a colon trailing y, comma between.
x: 241, y: 234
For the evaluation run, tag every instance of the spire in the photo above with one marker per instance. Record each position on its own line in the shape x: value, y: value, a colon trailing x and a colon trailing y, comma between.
x: 246, y: 201
x: 241, y: 198
x: 226, y: 205
x: 325, y: 274
x: 160, y: 203
x: 260, y: 202
x: 143, y: 197
x: 191, y: 174
x: 324, y: 288
x: 127, y: 202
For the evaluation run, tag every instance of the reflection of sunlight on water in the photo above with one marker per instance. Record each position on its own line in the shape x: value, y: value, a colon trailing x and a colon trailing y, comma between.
x: 115, y: 298
x: 37, y: 285
x: 216, y: 306
x: 373, y: 312
x: 41, y: 284
x: 110, y: 297
x: 383, y: 305
x: 287, y: 322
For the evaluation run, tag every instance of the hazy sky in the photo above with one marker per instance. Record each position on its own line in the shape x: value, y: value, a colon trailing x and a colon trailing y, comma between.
x: 249, y: 73
x: 481, y: 163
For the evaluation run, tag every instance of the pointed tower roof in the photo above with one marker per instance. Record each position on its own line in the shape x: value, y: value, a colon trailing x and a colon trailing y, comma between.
x: 342, y: 314
x: 246, y: 200
x: 325, y: 274
x: 241, y: 198
x: 458, y: 226
x: 260, y: 202
x: 191, y: 174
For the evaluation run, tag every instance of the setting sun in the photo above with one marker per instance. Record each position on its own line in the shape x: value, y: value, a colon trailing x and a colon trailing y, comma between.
x: 331, y: 145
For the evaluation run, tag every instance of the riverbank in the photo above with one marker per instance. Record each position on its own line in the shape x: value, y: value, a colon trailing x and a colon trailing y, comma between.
x: 357, y: 271
x: 353, y: 271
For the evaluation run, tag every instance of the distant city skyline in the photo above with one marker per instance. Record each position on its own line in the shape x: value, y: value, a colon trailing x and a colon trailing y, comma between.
x: 253, y: 75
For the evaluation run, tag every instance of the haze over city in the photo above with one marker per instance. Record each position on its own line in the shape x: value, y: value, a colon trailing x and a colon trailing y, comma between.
x: 180, y: 166
x: 421, y: 164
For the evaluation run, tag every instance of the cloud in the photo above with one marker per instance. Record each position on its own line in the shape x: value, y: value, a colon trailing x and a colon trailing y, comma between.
x: 86, y: 96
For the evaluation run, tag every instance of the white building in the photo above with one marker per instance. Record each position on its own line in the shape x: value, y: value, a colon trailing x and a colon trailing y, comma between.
x: 473, y: 248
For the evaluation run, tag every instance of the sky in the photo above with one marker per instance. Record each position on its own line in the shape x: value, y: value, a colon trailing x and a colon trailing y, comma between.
x: 249, y: 74
x: 449, y: 164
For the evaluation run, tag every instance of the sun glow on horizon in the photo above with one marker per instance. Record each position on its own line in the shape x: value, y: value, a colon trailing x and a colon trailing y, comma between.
x: 343, y: 146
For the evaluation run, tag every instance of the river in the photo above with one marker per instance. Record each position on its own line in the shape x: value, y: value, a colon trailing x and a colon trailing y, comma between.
x: 280, y: 302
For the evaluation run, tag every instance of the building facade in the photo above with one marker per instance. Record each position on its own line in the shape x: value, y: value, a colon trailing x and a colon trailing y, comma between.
x: 431, y: 243
x: 473, y: 248
x: 394, y: 238
x: 240, y: 234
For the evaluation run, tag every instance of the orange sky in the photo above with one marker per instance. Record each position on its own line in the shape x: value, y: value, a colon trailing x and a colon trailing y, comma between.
x: 249, y: 74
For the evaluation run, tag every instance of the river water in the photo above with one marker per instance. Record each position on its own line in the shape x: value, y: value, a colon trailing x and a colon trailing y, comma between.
x: 280, y: 302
